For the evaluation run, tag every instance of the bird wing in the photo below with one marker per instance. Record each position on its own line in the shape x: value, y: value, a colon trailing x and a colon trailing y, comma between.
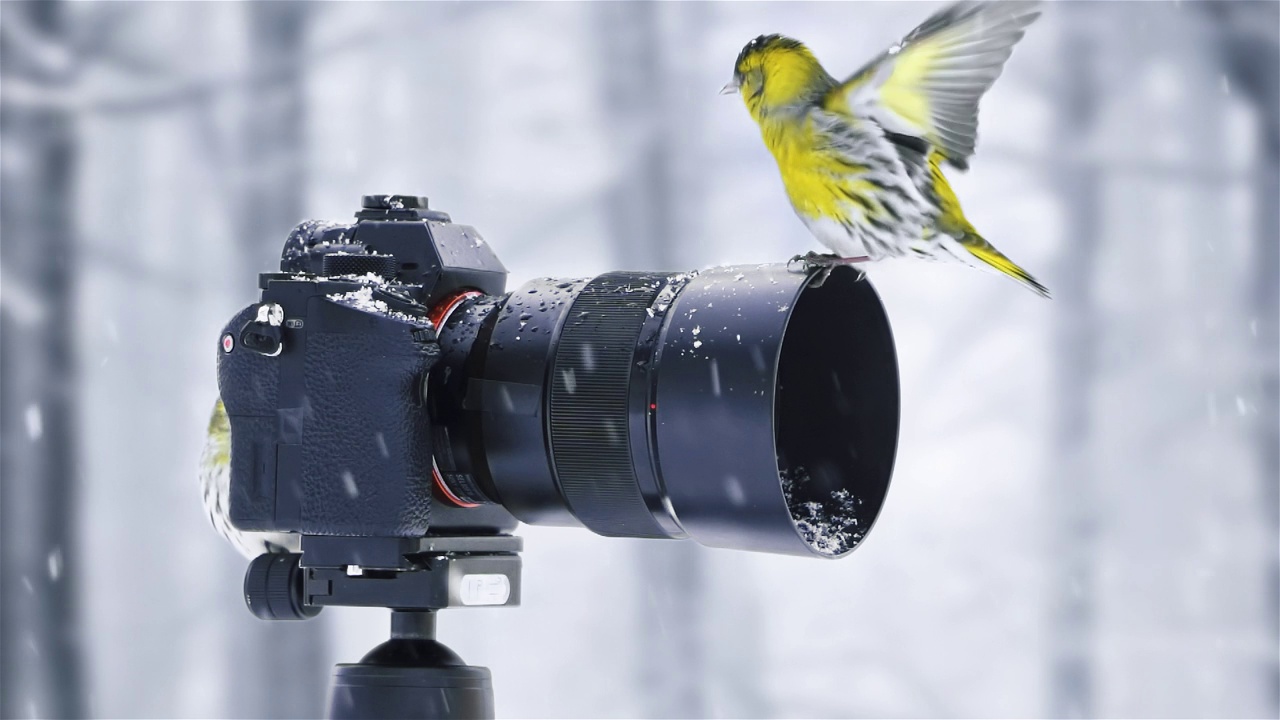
x: 929, y: 84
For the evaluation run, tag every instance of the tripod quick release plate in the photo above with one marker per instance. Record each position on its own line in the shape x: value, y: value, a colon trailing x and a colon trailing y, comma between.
x: 427, y: 573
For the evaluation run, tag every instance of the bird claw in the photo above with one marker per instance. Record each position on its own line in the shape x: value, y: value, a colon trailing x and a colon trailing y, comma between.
x: 811, y: 261
x: 820, y: 278
x: 823, y: 264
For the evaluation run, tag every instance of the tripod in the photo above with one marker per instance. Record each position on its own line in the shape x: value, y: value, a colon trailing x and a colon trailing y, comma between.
x: 411, y: 675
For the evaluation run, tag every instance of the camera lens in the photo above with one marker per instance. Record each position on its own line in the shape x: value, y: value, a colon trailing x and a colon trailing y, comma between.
x: 742, y: 407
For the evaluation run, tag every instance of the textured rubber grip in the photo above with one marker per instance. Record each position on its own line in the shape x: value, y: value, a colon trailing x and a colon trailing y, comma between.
x: 590, y: 382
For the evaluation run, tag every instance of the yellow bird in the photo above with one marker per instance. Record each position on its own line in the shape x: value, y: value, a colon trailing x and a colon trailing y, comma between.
x: 215, y: 491
x: 862, y: 159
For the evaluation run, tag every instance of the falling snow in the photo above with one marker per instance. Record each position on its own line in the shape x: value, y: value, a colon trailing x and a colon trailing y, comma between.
x: 349, y: 484
x: 733, y: 490
x: 979, y: 370
x: 35, y: 422
x: 55, y: 564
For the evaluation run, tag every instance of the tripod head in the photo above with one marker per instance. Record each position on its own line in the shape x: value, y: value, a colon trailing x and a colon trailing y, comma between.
x: 411, y: 675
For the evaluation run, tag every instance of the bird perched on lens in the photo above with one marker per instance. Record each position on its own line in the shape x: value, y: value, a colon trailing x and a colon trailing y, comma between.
x: 862, y: 158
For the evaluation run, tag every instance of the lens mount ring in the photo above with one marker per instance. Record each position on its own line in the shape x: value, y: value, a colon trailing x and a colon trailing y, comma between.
x: 439, y: 315
x: 444, y: 488
x: 440, y: 312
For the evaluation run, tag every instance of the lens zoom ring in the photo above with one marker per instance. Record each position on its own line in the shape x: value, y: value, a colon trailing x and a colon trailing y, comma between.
x: 588, y: 415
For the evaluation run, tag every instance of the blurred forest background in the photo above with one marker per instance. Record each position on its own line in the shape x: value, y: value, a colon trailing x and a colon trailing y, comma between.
x: 1083, y: 520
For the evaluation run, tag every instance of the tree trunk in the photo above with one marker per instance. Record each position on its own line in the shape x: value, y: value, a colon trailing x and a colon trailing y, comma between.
x: 273, y: 193
x: 1250, y: 48
x: 640, y: 203
x: 40, y: 655
x: 1072, y: 498
x: 1266, y: 300
x: 643, y: 211
x: 279, y: 669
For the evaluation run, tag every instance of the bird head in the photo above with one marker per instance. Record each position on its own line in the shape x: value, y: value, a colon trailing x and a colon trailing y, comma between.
x: 774, y: 72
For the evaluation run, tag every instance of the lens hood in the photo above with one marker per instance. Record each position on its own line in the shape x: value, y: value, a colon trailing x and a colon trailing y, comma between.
x: 777, y: 409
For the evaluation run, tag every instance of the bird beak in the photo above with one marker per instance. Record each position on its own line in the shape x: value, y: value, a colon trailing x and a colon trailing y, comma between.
x: 730, y: 88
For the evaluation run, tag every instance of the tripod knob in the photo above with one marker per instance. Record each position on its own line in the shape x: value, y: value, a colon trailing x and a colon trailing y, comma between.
x: 273, y: 588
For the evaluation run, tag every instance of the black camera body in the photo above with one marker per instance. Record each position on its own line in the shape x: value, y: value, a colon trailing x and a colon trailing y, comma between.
x: 388, y: 392
x: 324, y: 380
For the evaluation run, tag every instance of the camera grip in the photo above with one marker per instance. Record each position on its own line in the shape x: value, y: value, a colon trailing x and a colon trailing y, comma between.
x: 331, y: 436
x: 248, y: 384
x: 365, y: 448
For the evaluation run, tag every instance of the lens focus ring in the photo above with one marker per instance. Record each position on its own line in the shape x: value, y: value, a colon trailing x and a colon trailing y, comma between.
x: 588, y: 410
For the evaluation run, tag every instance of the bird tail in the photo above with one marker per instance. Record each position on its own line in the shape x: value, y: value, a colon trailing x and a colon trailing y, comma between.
x: 953, y: 226
x: 986, y: 252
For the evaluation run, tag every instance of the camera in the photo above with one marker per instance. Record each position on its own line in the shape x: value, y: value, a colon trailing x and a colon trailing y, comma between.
x: 394, y: 405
